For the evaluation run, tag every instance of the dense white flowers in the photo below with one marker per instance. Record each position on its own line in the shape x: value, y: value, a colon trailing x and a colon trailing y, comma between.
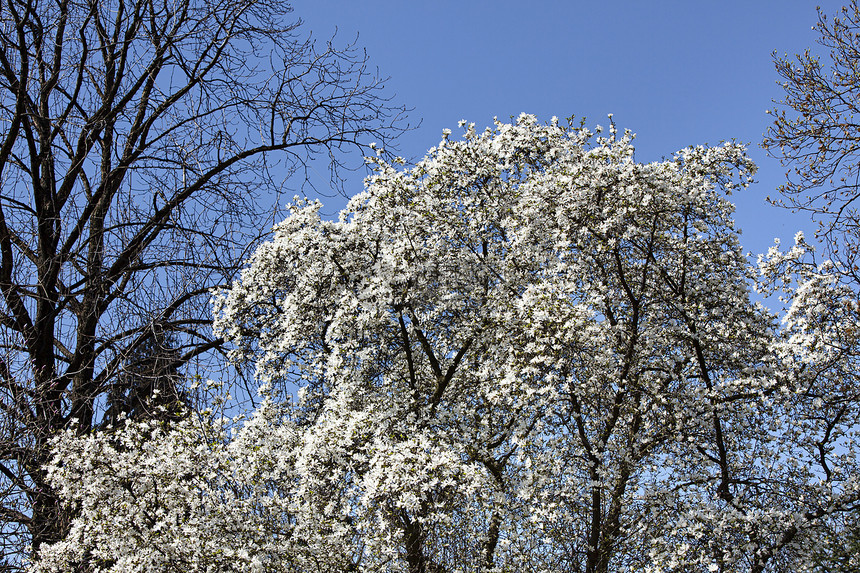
x: 158, y: 496
x: 528, y: 352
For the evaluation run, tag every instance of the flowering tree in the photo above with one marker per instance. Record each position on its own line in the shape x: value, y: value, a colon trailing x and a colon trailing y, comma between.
x: 528, y: 352
x: 157, y: 496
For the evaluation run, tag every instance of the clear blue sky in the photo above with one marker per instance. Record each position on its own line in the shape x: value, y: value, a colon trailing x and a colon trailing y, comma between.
x: 676, y: 73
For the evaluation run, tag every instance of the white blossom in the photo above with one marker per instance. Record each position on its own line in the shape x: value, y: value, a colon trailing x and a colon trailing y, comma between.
x: 528, y: 352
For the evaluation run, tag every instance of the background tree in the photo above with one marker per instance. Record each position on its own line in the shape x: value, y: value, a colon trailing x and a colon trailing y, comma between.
x: 142, y: 145
x: 816, y: 133
x: 150, y: 385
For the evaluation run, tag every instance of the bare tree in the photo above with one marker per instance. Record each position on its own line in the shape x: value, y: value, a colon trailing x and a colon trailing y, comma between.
x: 138, y: 137
x: 816, y: 133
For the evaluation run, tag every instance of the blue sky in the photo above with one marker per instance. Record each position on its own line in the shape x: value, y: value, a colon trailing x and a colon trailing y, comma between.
x: 676, y: 73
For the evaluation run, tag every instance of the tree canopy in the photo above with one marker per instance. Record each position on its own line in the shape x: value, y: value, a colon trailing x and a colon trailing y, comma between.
x: 528, y: 352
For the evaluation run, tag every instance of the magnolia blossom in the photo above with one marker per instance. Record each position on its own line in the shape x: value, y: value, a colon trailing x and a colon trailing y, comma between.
x: 528, y: 352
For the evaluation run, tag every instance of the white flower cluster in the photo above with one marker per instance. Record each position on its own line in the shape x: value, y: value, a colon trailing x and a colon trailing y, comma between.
x: 526, y: 353
x: 159, y: 496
